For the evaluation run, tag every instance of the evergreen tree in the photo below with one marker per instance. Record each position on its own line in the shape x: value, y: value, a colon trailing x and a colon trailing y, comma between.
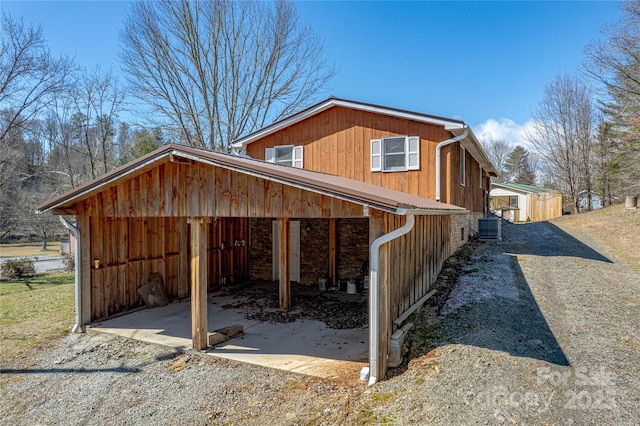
x: 518, y: 168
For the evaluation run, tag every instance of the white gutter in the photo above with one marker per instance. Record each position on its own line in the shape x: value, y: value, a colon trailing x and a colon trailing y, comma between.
x: 438, y: 147
x: 78, y: 290
x: 373, y: 293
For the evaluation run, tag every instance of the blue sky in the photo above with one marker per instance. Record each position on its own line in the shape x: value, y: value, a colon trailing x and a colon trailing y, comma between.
x: 483, y: 62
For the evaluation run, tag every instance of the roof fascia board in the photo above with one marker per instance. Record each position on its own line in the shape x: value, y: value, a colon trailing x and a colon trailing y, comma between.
x: 106, y: 180
x: 331, y: 102
x: 448, y: 124
x: 508, y: 188
x: 472, y: 144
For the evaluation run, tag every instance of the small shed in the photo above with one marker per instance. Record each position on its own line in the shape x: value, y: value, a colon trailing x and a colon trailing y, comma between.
x: 201, y: 219
x: 524, y: 203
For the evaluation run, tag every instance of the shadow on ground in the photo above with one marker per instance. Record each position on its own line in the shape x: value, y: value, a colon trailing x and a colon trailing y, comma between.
x: 122, y: 370
x: 545, y: 239
x: 517, y: 325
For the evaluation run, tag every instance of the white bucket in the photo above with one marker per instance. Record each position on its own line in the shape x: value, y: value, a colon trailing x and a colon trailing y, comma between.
x: 322, y: 284
x: 351, y: 287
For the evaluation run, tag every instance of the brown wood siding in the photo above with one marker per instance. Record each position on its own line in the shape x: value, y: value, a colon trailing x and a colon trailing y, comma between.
x: 228, y: 251
x: 470, y: 195
x: 416, y: 259
x: 409, y: 265
x: 200, y: 190
x: 129, y: 249
x: 337, y: 141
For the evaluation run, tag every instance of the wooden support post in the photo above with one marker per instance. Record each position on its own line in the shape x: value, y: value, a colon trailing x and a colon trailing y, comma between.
x: 183, y: 250
x: 86, y: 263
x: 333, y: 269
x: 284, y: 266
x: 199, y: 327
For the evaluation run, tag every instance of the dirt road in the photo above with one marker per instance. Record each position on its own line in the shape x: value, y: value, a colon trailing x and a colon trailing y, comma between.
x: 542, y: 328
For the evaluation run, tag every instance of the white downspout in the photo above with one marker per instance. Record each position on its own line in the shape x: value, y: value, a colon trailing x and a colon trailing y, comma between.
x: 78, y: 290
x: 438, y: 147
x: 373, y: 292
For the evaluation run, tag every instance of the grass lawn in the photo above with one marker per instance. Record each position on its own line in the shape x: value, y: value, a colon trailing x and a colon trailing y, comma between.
x: 34, y: 310
x: 614, y: 227
x: 29, y: 249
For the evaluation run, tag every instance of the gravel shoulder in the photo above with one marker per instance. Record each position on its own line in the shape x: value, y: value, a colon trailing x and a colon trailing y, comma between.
x: 541, y: 328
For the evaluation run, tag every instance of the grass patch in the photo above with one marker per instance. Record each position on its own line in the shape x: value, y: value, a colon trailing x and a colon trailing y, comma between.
x: 34, y: 310
x: 29, y: 249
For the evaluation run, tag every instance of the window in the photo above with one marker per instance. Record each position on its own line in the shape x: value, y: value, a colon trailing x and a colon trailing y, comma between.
x: 396, y: 153
x: 513, y: 201
x: 463, y: 173
x: 481, y: 178
x: 286, y: 155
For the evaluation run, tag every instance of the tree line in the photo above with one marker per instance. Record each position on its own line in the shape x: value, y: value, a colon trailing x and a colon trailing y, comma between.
x: 196, y: 73
x: 585, y: 138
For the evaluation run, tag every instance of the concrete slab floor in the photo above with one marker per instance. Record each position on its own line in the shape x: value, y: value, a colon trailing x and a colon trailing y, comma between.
x: 306, y: 346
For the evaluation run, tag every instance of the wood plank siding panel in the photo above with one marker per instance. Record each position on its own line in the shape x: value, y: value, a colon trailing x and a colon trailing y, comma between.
x: 337, y: 141
x: 409, y: 266
x: 129, y: 249
x: 200, y: 190
x: 416, y: 259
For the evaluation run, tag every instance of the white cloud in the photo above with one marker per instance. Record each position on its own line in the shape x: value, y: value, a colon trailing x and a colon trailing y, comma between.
x: 506, y: 129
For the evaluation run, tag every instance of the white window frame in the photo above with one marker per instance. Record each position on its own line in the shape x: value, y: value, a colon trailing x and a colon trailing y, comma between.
x: 463, y: 172
x: 481, y: 175
x: 411, y: 154
x: 297, y: 156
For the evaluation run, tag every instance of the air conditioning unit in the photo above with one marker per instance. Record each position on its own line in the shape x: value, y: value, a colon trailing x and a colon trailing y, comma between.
x: 489, y: 229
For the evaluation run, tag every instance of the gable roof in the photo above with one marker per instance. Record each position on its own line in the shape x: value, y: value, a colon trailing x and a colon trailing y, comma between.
x: 455, y: 126
x: 519, y: 187
x: 336, y: 186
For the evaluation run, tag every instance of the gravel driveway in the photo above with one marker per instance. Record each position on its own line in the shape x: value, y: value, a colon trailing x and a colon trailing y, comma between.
x: 541, y: 328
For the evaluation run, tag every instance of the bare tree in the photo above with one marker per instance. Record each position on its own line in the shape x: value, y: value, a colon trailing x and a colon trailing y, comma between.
x: 615, y: 60
x: 215, y: 70
x: 498, y: 151
x: 98, y: 100
x: 563, y: 133
x: 28, y: 74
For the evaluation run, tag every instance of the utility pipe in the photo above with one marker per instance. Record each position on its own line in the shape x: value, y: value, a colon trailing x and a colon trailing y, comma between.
x: 374, y: 255
x: 438, y: 147
x: 78, y: 290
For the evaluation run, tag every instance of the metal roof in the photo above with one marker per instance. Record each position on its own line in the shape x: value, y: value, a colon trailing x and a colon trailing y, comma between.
x: 523, y: 188
x: 243, y: 141
x: 336, y: 186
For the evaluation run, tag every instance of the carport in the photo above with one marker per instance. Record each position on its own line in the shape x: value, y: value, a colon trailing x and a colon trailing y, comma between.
x: 306, y: 346
x: 194, y: 216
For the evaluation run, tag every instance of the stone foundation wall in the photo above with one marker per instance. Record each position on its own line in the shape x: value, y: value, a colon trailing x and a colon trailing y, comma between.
x: 461, y: 228
x: 260, y: 246
x: 314, y: 250
x: 352, y: 249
